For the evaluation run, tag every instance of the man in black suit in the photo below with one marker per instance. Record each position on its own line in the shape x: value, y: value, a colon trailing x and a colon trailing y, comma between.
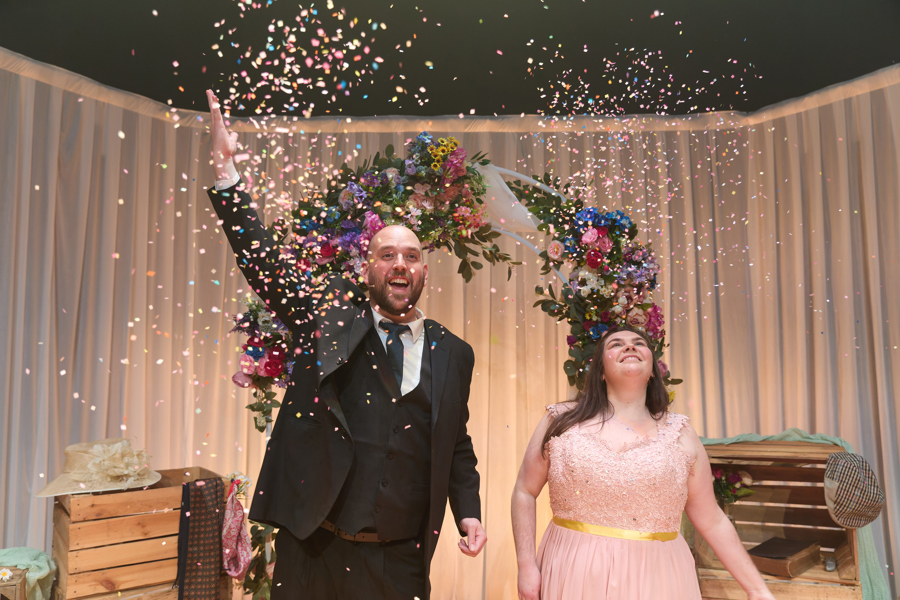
x: 371, y: 439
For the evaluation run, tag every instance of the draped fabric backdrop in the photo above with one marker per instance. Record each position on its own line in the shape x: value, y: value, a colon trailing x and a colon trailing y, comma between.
x: 778, y: 234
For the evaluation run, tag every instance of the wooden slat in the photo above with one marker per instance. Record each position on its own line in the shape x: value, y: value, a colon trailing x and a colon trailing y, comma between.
x: 778, y: 472
x: 162, y: 591
x: 119, y: 555
x: 785, y: 494
x: 802, y: 452
x: 121, y: 578
x: 90, y: 534
x: 117, y: 504
x: 719, y: 585
x: 846, y: 565
x: 790, y: 515
x: 60, y: 556
x: 61, y: 522
x: 64, y: 501
x: 827, y: 538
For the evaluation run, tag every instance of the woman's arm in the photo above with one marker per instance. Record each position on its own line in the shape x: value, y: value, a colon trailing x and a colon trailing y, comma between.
x: 531, y: 480
x: 709, y: 520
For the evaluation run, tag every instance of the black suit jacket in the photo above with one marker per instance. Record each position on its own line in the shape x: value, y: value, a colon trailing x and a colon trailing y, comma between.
x: 311, y: 449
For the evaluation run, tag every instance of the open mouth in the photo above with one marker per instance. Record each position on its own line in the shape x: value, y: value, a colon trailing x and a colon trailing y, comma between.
x: 398, y: 285
x: 632, y: 357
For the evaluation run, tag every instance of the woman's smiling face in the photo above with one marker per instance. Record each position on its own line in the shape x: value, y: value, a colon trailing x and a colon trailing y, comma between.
x: 626, y: 355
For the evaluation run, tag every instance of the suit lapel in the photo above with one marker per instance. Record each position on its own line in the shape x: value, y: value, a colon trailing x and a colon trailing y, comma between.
x: 332, y: 312
x: 440, y: 362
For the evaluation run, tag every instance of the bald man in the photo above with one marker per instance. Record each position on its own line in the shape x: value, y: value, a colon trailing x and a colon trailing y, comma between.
x: 371, y: 439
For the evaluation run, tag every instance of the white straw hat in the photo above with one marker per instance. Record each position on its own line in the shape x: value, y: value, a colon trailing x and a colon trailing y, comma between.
x: 100, y: 466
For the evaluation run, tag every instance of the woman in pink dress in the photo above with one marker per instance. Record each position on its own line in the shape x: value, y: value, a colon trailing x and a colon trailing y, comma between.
x: 621, y: 471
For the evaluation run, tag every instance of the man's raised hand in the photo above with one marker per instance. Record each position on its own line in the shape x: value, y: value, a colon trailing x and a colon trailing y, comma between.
x: 224, y: 142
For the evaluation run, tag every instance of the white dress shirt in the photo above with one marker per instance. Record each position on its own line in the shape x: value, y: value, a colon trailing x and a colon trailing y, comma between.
x: 234, y: 177
x: 413, y: 346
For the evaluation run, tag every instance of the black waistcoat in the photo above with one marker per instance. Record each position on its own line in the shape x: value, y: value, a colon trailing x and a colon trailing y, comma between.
x: 387, y: 488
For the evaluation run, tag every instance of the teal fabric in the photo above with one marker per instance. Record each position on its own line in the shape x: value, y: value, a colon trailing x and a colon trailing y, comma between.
x: 874, y: 584
x: 41, y: 570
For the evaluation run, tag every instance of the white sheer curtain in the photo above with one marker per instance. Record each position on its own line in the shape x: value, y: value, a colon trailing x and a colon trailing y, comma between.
x: 777, y: 231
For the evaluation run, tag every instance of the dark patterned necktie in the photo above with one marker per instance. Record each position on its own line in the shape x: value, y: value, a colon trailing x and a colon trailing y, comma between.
x: 395, y: 346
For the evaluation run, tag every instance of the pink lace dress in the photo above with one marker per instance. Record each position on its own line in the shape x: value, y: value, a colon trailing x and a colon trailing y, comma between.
x: 642, y: 487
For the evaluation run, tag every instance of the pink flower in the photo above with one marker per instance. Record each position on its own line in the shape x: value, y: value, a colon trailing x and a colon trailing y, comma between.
x: 555, y: 250
x: 326, y: 254
x: 663, y: 368
x: 717, y: 472
x: 454, y: 166
x: 269, y: 366
x: 452, y: 192
x: 590, y: 237
x: 241, y: 379
x: 373, y: 222
x: 604, y: 243
x: 637, y: 318
x: 248, y: 365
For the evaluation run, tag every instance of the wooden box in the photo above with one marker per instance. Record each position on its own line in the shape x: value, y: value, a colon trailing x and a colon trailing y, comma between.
x: 14, y: 589
x: 122, y: 544
x: 788, y: 502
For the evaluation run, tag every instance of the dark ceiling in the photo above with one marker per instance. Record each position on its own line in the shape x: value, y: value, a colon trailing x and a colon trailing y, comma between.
x: 469, y: 56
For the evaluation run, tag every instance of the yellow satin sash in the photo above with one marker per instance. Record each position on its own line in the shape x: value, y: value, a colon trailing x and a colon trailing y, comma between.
x: 624, y: 534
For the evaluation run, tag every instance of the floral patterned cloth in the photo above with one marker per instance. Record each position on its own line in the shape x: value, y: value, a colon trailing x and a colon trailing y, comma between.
x: 236, y: 548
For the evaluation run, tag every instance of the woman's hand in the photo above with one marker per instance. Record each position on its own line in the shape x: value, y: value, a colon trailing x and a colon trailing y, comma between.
x: 529, y: 582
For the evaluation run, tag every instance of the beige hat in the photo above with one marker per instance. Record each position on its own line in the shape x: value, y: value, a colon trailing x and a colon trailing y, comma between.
x: 101, y: 466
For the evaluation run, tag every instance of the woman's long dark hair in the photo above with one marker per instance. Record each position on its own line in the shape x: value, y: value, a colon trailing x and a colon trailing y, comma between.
x: 593, y: 401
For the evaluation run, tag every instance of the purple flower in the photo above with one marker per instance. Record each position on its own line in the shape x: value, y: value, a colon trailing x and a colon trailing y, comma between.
x: 357, y: 191
x: 370, y: 179
x: 410, y: 166
x: 571, y: 340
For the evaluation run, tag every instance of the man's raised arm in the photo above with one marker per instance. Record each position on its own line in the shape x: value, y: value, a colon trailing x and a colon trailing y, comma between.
x: 280, y: 285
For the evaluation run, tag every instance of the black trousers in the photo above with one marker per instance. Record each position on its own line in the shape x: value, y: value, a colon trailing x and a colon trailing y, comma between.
x: 326, y: 567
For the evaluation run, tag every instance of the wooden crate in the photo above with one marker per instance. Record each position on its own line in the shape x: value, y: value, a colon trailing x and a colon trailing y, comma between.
x: 14, y: 589
x: 122, y: 544
x: 788, y: 502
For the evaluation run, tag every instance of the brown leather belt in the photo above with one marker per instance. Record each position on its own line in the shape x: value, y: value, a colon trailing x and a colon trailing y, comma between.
x: 359, y: 537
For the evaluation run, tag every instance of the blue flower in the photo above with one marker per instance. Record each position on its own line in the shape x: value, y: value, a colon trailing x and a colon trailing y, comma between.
x: 598, y: 330
x: 571, y: 244
x: 254, y: 352
x: 333, y: 215
x: 308, y: 225
x: 586, y: 218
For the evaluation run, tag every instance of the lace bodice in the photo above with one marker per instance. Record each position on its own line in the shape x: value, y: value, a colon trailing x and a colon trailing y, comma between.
x: 643, y: 487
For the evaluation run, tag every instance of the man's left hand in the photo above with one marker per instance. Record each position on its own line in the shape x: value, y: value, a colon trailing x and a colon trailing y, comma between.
x: 475, y: 538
